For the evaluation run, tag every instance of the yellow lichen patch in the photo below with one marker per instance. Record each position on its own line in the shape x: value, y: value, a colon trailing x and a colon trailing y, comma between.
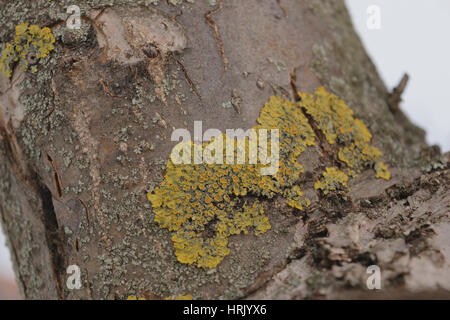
x: 332, y: 180
x: 382, y: 171
x: 179, y: 297
x: 294, y: 198
x: 335, y: 119
x: 203, y: 205
x: 30, y: 44
x: 295, y: 136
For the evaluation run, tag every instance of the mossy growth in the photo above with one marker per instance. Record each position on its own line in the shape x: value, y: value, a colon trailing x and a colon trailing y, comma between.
x: 332, y: 179
x: 204, y: 204
x: 30, y: 44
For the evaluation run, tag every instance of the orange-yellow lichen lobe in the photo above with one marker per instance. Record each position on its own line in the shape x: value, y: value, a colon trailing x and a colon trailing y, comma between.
x: 30, y: 44
x: 382, y: 171
x: 332, y: 179
x: 337, y: 122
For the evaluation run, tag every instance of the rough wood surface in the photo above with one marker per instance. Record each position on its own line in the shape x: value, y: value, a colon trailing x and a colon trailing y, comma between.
x: 88, y: 135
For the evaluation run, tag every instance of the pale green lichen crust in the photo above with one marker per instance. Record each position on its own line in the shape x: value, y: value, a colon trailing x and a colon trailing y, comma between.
x: 204, y: 204
x: 30, y: 44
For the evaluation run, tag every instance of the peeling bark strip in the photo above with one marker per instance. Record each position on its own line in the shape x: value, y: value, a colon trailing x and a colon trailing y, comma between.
x: 129, y: 36
x: 394, y: 229
x: 30, y: 180
x: 215, y: 30
x: 396, y: 96
x: 55, y: 240
x: 327, y: 150
x: 188, y: 79
x: 57, y: 176
x: 282, y: 8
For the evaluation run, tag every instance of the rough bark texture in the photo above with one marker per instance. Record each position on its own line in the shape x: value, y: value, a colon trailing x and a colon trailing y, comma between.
x: 85, y: 138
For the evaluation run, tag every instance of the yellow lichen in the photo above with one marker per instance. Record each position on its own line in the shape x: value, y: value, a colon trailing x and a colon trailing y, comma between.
x: 382, y: 171
x: 335, y: 119
x: 294, y: 198
x: 30, y: 43
x: 204, y: 204
x: 332, y: 180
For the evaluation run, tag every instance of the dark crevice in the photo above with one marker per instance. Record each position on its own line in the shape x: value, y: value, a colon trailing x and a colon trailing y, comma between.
x: 293, y: 84
x: 188, y: 79
x: 282, y: 8
x: 56, y: 177
x: 49, y: 216
x: 210, y: 228
x: 326, y: 149
x: 217, y: 37
x: 54, y: 238
x: 31, y: 180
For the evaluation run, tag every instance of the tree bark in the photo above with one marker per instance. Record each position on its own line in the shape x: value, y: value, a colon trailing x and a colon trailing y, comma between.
x: 88, y: 135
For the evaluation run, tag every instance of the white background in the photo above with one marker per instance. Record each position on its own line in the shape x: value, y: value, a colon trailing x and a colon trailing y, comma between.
x: 414, y: 38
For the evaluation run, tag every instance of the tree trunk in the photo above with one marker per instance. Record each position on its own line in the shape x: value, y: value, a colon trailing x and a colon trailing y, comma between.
x: 86, y: 134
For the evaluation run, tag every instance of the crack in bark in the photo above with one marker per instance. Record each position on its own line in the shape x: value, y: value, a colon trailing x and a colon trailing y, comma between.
x: 56, y: 177
x: 176, y: 15
x: 86, y: 210
x: 282, y: 8
x: 188, y: 79
x: 54, y: 238
x: 107, y: 91
x: 327, y: 150
x: 29, y: 178
x: 215, y: 30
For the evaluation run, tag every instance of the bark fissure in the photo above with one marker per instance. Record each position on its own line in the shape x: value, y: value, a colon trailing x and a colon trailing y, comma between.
x: 327, y: 151
x: 31, y: 180
x: 53, y: 235
x: 216, y: 33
